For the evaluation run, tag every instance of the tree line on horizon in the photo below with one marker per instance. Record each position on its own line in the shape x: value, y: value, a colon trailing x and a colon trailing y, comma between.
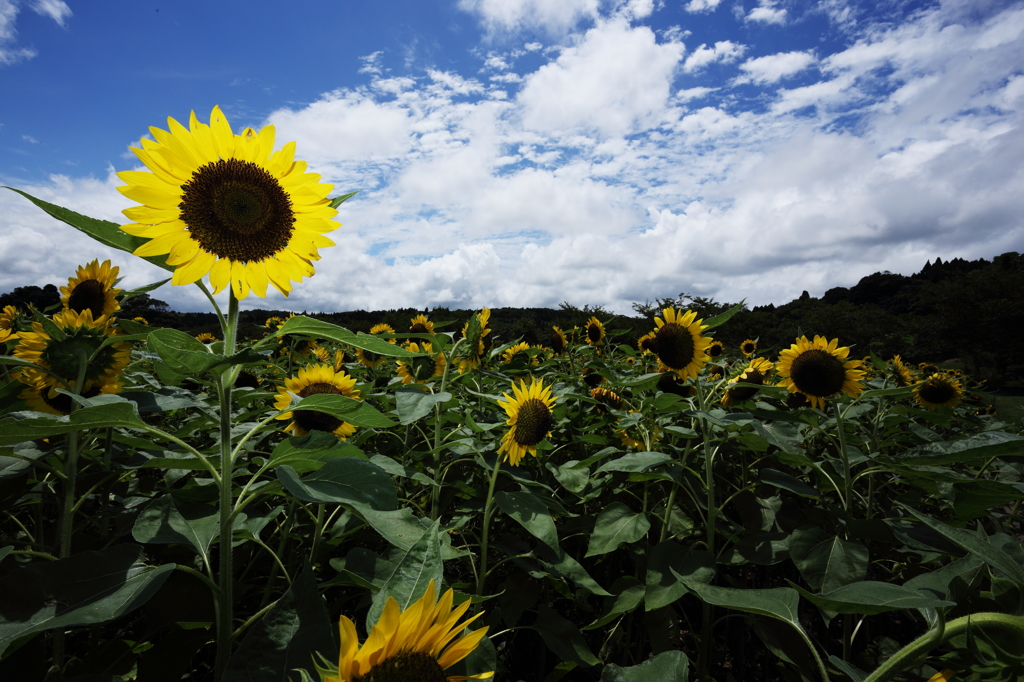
x: 968, y: 313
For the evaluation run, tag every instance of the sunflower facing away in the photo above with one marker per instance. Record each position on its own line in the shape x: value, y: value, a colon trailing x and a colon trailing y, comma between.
x: 477, y: 343
x: 92, y: 288
x: 368, y: 358
x: 819, y: 369
x: 755, y: 373
x: 529, y: 419
x: 422, y: 369
x: 594, y: 331
x: 228, y: 206
x: 518, y: 353
x: 8, y: 323
x: 940, y: 388
x: 558, y: 341
x: 418, y: 643
x: 899, y: 372
x: 312, y: 380
x: 748, y: 347
x: 608, y: 398
x: 83, y: 338
x: 678, y: 342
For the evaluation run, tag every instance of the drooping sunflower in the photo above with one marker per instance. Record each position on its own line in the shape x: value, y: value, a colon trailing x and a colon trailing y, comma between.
x: 678, y: 342
x: 594, y: 332
x: 748, y: 347
x: 716, y: 372
x: 819, y: 369
x: 645, y: 344
x: 558, y: 342
x: 529, y: 419
x: 206, y: 337
x: 477, y: 341
x: 313, y: 380
x: 83, y: 339
x: 274, y: 322
x: 141, y: 320
x: 417, y: 644
x: 421, y: 325
x: 755, y: 373
x: 669, y: 382
x: 339, y: 360
x: 899, y: 372
x: 423, y: 369
x: 228, y: 206
x: 941, y: 388
x: 715, y: 349
x: 321, y: 354
x: 927, y: 368
x: 641, y: 435
x: 608, y: 398
x: 92, y: 288
x: 591, y: 377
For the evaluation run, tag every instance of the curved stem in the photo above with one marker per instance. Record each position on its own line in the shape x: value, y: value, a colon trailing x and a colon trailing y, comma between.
x: 482, y: 574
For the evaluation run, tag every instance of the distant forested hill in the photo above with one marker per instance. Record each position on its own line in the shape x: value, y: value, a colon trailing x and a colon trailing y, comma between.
x: 967, y: 311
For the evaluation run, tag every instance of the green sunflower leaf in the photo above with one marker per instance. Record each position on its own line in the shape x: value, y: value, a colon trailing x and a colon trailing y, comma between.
x: 18, y: 427
x: 615, y: 525
x: 339, y: 200
x: 347, y: 480
x: 668, y: 666
x: 103, y: 231
x: 869, y: 597
x: 719, y: 320
x: 356, y: 412
x: 318, y: 329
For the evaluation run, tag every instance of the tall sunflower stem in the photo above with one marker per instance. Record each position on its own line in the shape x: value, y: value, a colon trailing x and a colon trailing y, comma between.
x: 225, y: 570
x: 482, y: 575
x: 709, y: 483
x: 847, y: 478
x: 435, y: 501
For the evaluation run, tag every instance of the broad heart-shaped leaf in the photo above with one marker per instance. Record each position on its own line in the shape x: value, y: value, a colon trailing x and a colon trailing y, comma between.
x: 869, y: 598
x: 165, y: 522
x: 412, y: 575
x: 635, y: 462
x: 995, y: 557
x: 18, y: 427
x: 349, y: 481
x: 780, y: 603
x: 980, y: 446
x: 186, y: 355
x: 356, y: 412
x: 616, y: 524
x: 562, y: 637
x: 87, y: 588
x: 532, y: 514
x: 413, y: 403
x: 103, y: 231
x: 668, y: 666
x: 976, y: 498
x: 627, y: 593
x: 662, y: 588
x: 564, y: 566
x: 287, y: 637
x: 312, y: 451
x: 318, y: 329
x: 827, y: 562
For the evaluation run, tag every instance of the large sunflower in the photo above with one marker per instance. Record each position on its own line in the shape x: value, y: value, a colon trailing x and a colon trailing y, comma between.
x: 819, y: 369
x: 678, y: 342
x: 421, y: 369
x: 594, y: 331
x: 312, y: 380
x: 92, y: 288
x: 755, y: 373
x: 415, y: 644
x: 529, y: 419
x: 940, y: 388
x: 83, y: 340
x: 229, y: 206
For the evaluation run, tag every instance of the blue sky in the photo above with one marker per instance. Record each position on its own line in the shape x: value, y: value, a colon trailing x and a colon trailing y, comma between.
x: 528, y: 152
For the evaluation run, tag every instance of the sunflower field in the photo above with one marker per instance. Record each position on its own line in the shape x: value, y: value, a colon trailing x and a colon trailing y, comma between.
x: 438, y: 503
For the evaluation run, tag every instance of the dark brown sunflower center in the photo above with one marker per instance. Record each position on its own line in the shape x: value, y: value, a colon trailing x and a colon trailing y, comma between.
x: 594, y: 333
x: 714, y: 350
x: 649, y: 343
x: 419, y: 328
x: 747, y: 392
x: 817, y: 372
x: 237, y: 210
x: 422, y: 368
x: 557, y: 342
x: 317, y: 421
x: 674, y: 345
x: 409, y: 667
x: 668, y: 382
x: 533, y: 422
x: 749, y: 348
x: 88, y: 295
x: 937, y: 391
